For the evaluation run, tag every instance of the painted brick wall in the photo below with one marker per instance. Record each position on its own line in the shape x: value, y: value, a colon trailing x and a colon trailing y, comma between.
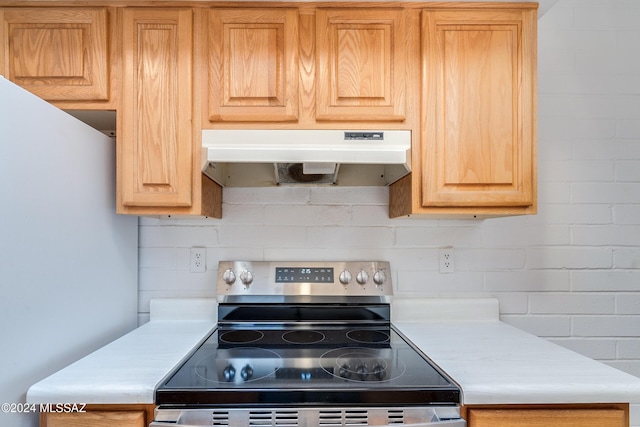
x: 570, y: 273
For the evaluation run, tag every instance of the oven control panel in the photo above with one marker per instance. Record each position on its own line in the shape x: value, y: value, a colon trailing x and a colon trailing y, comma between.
x: 300, y: 278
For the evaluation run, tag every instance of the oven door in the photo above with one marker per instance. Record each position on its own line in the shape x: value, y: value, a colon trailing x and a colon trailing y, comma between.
x: 448, y: 416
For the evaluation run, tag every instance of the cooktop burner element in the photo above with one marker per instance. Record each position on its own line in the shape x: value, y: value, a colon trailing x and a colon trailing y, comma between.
x: 368, y: 336
x: 360, y: 364
x: 242, y: 336
x: 303, y: 337
x: 316, y: 334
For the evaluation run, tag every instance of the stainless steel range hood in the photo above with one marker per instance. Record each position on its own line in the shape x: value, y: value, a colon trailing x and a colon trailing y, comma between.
x: 254, y: 158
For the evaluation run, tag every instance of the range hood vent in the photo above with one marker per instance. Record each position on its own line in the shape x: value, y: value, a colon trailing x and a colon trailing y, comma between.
x: 256, y: 158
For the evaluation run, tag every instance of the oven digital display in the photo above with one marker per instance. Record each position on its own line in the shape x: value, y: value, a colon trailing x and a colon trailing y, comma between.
x: 304, y: 275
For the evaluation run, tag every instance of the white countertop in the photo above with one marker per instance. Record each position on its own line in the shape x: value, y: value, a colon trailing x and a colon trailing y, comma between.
x: 128, y: 369
x: 493, y: 362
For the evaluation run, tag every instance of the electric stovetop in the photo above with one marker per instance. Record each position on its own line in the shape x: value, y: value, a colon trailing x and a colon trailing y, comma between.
x: 359, y: 365
x: 305, y: 333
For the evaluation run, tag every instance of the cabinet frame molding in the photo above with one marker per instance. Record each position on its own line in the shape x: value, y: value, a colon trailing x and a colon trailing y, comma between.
x: 34, y: 38
x: 539, y: 415
x: 479, y: 153
x: 256, y: 87
x: 155, y: 156
x: 360, y: 64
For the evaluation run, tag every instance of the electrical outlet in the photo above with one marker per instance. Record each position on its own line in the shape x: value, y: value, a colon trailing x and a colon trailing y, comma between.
x: 446, y: 260
x: 198, y: 260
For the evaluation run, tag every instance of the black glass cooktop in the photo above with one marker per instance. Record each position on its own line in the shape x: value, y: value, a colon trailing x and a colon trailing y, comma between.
x: 361, y: 365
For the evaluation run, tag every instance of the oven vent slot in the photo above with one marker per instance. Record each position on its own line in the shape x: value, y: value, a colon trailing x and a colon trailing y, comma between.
x: 395, y: 417
x: 220, y: 418
x: 343, y: 418
x: 273, y: 418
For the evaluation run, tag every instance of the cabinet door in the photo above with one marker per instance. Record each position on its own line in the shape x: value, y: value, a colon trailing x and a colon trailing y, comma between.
x: 547, y: 417
x: 253, y: 65
x: 59, y: 54
x: 361, y: 69
x: 479, y: 103
x: 96, y: 419
x: 155, y: 163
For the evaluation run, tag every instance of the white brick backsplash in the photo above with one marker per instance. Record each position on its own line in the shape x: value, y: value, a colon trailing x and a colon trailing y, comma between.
x: 610, y: 107
x: 185, y: 235
x: 315, y: 215
x: 606, y: 326
x: 511, y: 302
x: 628, y: 129
x: 605, y: 192
x: 612, y: 149
x: 528, y: 281
x: 629, y: 366
x: 601, y: 235
x: 353, y: 195
x: 432, y: 235
x: 416, y: 282
x: 606, y: 280
x: 628, y: 349
x: 628, y: 170
x: 626, y: 258
x: 606, y: 17
x: 571, y: 273
x: 628, y: 304
x: 489, y: 259
x: 569, y: 257
x: 496, y: 235
x: 542, y: 326
x: 596, y: 348
x: 578, y: 170
x: 576, y: 214
x: 572, y: 303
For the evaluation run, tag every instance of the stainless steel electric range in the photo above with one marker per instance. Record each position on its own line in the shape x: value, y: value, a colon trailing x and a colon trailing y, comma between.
x: 306, y: 344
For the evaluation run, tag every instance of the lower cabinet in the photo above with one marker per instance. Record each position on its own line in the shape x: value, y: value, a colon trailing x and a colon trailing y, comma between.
x: 545, y: 416
x: 101, y: 416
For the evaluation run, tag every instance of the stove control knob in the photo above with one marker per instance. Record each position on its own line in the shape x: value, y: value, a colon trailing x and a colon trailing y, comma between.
x: 229, y: 373
x: 246, y: 277
x: 229, y: 277
x: 246, y: 373
x: 379, y: 277
x: 362, y: 277
x: 345, y: 277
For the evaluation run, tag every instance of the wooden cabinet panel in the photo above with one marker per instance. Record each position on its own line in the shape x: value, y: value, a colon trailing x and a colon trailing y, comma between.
x: 479, y: 108
x: 59, y: 54
x: 97, y: 419
x: 547, y: 417
x: 253, y: 64
x: 361, y: 71
x: 156, y: 138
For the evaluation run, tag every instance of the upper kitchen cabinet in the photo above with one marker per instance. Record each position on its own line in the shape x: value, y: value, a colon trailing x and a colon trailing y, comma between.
x: 478, y: 115
x: 57, y: 53
x: 253, y: 65
x: 361, y: 64
x: 158, y: 143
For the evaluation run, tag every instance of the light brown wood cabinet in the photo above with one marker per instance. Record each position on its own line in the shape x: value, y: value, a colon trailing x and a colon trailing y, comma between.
x: 461, y: 76
x: 159, y: 148
x: 306, y: 66
x: 548, y: 416
x: 253, y: 64
x: 101, y: 416
x: 477, y: 151
x: 57, y: 53
x: 361, y: 65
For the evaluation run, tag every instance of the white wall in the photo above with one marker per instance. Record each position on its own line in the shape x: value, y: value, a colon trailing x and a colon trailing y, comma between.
x: 570, y: 273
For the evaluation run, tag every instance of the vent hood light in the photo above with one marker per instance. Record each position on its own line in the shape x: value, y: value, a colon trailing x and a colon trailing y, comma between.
x: 254, y: 158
